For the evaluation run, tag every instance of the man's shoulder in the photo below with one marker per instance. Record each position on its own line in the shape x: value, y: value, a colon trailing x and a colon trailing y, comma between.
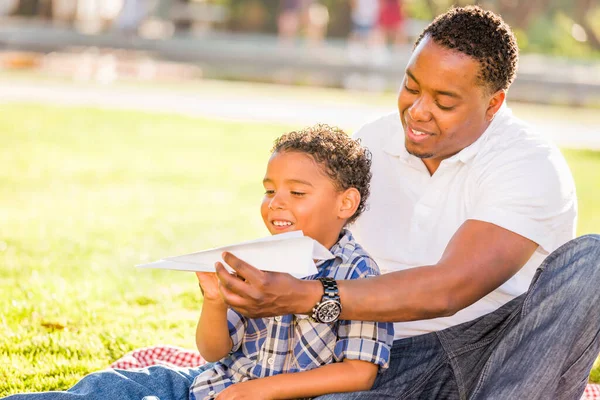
x: 513, y: 140
x: 376, y: 131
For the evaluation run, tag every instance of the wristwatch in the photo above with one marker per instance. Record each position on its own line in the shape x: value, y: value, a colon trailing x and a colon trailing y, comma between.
x: 328, y: 310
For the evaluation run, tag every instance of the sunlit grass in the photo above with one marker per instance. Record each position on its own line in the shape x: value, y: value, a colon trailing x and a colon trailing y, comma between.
x: 87, y: 194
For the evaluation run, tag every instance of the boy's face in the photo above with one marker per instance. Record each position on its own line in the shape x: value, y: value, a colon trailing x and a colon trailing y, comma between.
x: 299, y: 196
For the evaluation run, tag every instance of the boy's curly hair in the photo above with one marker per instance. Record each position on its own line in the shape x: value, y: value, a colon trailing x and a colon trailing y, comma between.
x: 343, y: 159
x: 481, y: 35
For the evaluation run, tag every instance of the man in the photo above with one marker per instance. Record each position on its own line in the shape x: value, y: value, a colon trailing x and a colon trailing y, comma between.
x: 467, y: 211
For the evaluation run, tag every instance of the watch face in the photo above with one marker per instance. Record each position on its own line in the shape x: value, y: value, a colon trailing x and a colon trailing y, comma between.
x: 328, y: 311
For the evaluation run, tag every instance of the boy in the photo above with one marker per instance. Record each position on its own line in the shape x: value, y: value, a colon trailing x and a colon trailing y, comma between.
x: 317, y: 181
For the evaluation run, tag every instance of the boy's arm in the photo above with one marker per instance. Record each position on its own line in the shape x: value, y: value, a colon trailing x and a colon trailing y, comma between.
x: 346, y: 376
x: 212, y: 333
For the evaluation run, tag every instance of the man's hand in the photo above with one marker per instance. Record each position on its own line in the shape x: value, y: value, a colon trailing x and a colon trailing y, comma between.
x: 251, y: 390
x: 257, y: 293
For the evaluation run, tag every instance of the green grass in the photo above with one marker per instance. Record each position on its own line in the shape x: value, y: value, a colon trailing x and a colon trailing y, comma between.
x: 86, y: 194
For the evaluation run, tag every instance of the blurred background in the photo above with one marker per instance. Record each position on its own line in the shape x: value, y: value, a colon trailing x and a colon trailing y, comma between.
x: 357, y: 44
x: 132, y: 130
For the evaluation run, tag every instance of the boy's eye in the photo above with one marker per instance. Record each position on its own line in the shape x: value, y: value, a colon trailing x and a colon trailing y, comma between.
x: 269, y: 192
x: 297, y: 193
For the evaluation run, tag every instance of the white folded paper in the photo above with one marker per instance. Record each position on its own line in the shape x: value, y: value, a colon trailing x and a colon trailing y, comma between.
x: 290, y: 252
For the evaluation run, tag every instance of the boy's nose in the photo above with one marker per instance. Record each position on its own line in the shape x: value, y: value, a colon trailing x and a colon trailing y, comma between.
x: 275, y: 203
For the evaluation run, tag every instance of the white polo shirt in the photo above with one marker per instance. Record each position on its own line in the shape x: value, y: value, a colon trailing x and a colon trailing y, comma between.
x: 510, y: 177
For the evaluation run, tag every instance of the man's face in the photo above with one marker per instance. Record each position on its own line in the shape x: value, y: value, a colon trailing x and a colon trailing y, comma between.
x: 441, y: 105
x: 298, y: 196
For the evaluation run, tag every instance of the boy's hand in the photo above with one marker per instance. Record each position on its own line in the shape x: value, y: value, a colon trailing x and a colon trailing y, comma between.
x: 209, y: 285
x: 249, y: 390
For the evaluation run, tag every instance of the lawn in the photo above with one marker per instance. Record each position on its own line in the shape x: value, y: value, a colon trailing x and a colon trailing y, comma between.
x: 86, y: 194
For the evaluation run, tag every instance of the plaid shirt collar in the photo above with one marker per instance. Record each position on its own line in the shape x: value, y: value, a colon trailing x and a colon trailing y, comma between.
x: 343, y: 249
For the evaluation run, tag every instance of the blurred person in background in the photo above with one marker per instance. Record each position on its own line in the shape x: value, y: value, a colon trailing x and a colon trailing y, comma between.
x: 7, y: 6
x: 391, y: 23
x: 363, y: 40
x: 131, y: 16
x: 301, y: 16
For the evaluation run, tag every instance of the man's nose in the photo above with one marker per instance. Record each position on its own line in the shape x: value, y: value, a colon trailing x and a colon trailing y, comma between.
x: 420, y: 110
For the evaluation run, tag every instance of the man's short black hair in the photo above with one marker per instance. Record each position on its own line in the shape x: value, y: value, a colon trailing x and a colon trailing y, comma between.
x: 343, y: 159
x: 481, y: 35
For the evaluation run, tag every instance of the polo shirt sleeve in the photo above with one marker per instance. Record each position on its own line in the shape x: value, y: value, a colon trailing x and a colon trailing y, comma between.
x: 236, y: 323
x: 527, y: 191
x: 364, y: 340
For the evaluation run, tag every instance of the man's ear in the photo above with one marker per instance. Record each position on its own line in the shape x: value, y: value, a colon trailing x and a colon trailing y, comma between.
x: 494, y: 104
x: 349, y: 202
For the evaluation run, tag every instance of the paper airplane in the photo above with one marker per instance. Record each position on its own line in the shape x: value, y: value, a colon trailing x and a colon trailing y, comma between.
x: 290, y: 252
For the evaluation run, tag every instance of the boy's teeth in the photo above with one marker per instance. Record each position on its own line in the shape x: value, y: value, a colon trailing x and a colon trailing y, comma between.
x: 282, y: 223
x: 418, y: 133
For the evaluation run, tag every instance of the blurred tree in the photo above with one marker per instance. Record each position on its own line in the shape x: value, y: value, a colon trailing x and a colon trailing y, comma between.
x: 586, y: 13
x: 523, y: 16
x: 252, y: 15
x: 33, y: 8
x: 566, y: 27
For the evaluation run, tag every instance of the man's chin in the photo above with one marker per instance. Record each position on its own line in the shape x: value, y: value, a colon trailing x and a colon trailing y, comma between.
x: 417, y: 153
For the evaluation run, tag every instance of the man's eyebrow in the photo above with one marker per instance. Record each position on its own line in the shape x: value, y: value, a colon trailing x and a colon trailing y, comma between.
x: 411, y: 76
x: 449, y: 94
x: 440, y: 92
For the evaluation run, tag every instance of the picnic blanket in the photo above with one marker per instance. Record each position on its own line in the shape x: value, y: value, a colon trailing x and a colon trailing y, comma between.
x: 173, y: 356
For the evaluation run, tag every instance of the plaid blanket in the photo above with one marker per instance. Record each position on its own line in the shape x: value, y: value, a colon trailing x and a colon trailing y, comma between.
x: 172, y: 356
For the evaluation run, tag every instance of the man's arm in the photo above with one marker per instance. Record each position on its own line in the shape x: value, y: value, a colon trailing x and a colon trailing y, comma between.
x: 347, y: 376
x: 478, y: 259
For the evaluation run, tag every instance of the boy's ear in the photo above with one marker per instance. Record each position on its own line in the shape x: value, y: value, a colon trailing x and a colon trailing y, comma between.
x: 349, y: 202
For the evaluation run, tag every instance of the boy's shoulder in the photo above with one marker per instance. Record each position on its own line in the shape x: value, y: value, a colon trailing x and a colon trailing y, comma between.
x: 355, y: 262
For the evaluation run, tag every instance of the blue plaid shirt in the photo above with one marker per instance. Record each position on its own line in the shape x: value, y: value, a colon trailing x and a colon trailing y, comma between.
x: 294, y: 343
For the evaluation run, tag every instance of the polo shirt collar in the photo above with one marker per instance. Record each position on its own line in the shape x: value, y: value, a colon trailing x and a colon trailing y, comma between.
x: 394, y: 145
x: 466, y: 154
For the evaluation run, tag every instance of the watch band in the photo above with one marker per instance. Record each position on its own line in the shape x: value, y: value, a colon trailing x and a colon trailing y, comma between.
x: 329, y: 308
x: 331, y: 289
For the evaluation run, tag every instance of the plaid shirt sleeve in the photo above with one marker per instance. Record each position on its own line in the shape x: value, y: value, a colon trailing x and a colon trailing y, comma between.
x: 237, y: 328
x: 364, y: 340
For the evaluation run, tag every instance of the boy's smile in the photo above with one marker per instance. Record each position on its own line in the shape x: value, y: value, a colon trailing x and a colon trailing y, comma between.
x: 299, y: 196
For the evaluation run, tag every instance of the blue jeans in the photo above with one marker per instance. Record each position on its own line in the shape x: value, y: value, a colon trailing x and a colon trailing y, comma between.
x: 540, y: 345
x: 152, y: 383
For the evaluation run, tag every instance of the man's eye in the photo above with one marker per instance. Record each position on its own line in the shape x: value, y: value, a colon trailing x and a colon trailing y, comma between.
x: 409, y: 90
x: 297, y: 193
x: 441, y: 107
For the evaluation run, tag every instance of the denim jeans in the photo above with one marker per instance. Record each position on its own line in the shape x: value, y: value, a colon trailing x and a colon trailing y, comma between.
x: 540, y: 345
x: 152, y: 383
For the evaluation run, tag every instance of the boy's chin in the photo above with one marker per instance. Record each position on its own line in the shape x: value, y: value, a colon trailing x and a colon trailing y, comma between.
x: 275, y: 231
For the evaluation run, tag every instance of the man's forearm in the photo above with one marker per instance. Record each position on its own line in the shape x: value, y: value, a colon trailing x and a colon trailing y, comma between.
x: 393, y: 297
x: 413, y: 294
